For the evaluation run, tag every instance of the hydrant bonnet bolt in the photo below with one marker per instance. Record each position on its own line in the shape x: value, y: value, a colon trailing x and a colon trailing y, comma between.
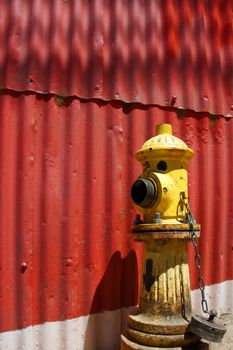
x: 144, y: 192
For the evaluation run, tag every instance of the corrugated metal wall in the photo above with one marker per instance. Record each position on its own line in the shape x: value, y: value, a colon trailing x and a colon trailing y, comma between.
x: 66, y: 172
x: 67, y: 163
x: 144, y: 51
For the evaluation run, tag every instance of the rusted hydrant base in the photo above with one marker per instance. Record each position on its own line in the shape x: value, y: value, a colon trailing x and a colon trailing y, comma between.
x: 127, y: 344
x: 152, y: 325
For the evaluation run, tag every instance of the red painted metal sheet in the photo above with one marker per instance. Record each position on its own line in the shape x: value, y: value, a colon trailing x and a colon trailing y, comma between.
x: 154, y: 52
x: 65, y: 209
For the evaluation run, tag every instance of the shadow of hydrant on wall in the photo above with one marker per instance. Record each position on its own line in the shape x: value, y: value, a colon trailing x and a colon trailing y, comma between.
x: 118, y: 289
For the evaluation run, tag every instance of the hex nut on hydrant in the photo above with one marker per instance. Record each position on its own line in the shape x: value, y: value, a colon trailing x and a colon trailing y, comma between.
x: 160, y: 194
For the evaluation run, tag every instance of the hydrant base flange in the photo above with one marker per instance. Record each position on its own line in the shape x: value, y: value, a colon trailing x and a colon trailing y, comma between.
x: 162, y: 340
x: 164, y: 227
x: 142, y: 232
x: 127, y: 344
x: 173, y: 326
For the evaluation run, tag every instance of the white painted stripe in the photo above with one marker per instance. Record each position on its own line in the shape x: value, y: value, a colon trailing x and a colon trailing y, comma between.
x: 93, y: 332
x: 219, y: 297
x: 99, y: 331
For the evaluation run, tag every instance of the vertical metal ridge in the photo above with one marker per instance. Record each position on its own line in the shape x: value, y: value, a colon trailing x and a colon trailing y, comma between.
x: 146, y: 52
x: 171, y: 290
x: 177, y: 279
x: 66, y: 174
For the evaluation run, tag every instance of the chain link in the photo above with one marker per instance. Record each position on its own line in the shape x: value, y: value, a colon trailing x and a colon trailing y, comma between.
x: 201, y: 282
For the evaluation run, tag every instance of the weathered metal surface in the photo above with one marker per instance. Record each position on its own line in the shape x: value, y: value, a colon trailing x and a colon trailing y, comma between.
x: 127, y: 344
x: 165, y: 307
x: 142, y: 232
x: 164, y: 228
x: 207, y: 329
x: 158, y: 326
x: 162, y: 185
x: 143, y: 236
x: 66, y: 172
x: 169, y: 52
x: 162, y: 340
x: 165, y: 295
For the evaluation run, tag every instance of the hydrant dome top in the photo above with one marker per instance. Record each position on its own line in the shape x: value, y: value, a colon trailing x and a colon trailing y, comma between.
x: 164, y: 144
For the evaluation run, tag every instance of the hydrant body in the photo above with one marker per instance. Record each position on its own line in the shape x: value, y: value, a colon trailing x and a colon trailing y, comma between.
x: 161, y: 194
x: 164, y: 159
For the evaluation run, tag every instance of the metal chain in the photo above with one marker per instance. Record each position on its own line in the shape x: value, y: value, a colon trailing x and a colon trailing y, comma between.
x: 201, y: 282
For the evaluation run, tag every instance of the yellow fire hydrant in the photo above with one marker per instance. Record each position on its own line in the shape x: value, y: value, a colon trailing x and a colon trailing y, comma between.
x: 161, y: 194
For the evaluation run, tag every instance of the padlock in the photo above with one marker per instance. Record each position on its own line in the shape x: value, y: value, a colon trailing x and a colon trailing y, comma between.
x: 207, y: 329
